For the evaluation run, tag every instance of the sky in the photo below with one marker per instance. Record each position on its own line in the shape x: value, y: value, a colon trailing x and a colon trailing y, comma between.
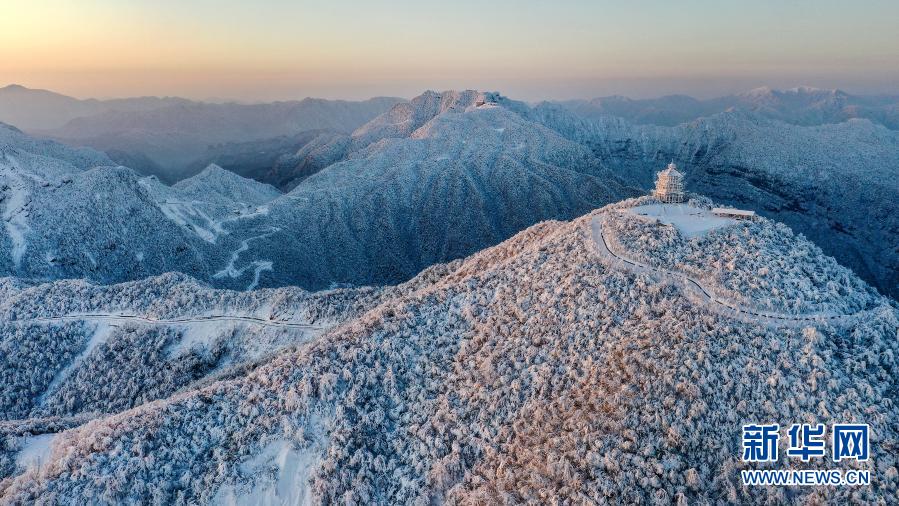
x: 277, y: 49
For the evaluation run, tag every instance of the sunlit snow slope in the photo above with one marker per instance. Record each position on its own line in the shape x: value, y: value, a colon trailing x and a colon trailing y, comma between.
x: 537, y: 369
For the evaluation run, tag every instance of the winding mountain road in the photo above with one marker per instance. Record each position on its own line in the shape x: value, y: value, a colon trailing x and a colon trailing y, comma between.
x: 125, y: 318
x: 705, y: 294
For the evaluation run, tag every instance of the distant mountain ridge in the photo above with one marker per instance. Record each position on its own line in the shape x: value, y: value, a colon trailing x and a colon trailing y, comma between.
x: 381, y: 196
x: 472, y: 174
x: 836, y: 183
x: 169, y: 137
x: 803, y: 105
x: 176, y: 137
x: 34, y: 109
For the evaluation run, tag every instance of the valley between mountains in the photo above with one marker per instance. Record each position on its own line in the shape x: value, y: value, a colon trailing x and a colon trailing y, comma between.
x: 455, y: 299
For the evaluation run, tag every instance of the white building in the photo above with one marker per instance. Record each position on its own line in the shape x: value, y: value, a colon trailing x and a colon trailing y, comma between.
x: 737, y: 214
x: 669, y: 185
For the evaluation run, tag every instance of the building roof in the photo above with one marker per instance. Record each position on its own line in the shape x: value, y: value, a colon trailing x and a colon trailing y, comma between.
x: 732, y: 211
x: 671, y: 170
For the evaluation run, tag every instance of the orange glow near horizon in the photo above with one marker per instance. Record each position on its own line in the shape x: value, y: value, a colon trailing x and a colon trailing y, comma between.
x: 280, y: 49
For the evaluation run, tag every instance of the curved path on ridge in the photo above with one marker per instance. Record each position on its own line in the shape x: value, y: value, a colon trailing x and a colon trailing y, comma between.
x: 124, y: 318
x: 705, y: 294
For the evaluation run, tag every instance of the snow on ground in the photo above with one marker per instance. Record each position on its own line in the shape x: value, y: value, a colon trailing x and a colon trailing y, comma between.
x: 258, y: 266
x: 705, y: 294
x: 189, y: 216
x: 197, y: 215
x: 14, y: 216
x: 35, y: 451
x: 281, y: 477
x: 755, y: 263
x: 690, y: 221
x: 245, y: 340
x: 100, y: 335
x: 200, y: 335
x: 245, y: 213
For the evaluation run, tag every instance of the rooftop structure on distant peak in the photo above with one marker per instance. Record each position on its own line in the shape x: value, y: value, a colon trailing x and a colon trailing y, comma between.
x: 669, y: 185
x: 737, y: 214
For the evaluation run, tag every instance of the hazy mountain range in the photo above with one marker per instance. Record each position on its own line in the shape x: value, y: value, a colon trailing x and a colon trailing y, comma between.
x: 33, y: 109
x: 175, y: 138
x: 455, y: 300
x: 470, y: 176
x: 382, y: 202
x: 803, y: 105
x: 171, y: 137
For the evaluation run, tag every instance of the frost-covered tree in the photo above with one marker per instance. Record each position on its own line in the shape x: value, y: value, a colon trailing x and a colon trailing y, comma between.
x: 532, y: 372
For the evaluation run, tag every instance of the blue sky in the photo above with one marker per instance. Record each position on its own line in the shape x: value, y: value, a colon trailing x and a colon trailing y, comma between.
x: 279, y: 49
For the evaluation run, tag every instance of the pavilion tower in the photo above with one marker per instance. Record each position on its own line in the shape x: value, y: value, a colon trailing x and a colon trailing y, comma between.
x: 669, y: 185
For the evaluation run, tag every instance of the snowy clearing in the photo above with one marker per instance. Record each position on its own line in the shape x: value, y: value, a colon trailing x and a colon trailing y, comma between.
x: 200, y: 335
x: 14, y: 217
x: 191, y: 217
x: 281, y: 476
x: 35, y: 451
x: 690, y: 221
x: 205, y: 334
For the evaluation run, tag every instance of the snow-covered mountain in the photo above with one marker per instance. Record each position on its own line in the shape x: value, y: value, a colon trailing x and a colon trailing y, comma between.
x: 401, y: 121
x: 802, y: 105
x: 53, y: 154
x: 176, y: 138
x: 290, y: 168
x: 70, y: 213
x: 836, y: 183
x: 31, y: 109
x: 542, y: 368
x: 472, y: 174
x: 217, y: 184
x: 124, y: 345
x: 380, y: 204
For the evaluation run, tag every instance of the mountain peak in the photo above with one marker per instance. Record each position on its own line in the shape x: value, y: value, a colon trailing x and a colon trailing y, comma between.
x: 450, y: 100
x: 542, y: 332
x: 406, y: 117
x: 227, y: 186
x: 213, y: 172
x: 214, y: 169
x: 7, y: 126
x: 811, y: 90
x: 797, y: 92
